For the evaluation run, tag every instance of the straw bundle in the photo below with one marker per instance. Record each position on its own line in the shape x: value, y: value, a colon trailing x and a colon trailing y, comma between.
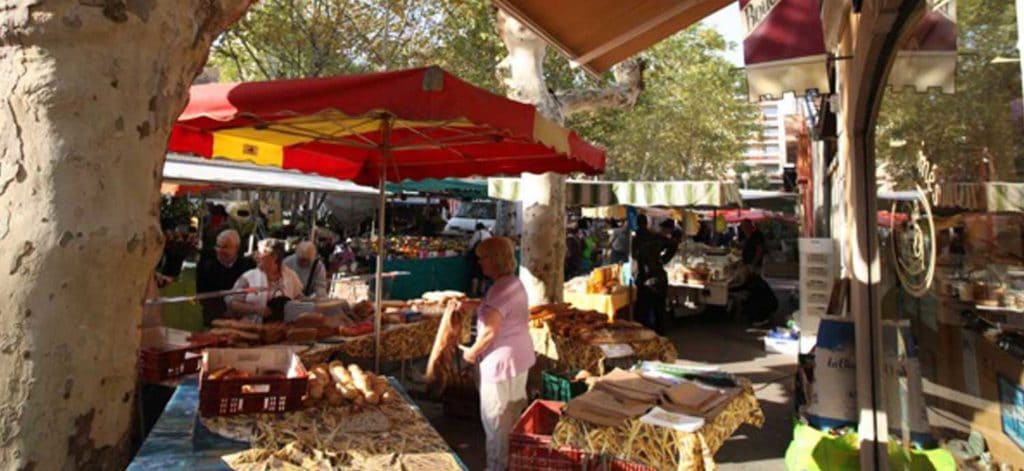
x: 660, y: 447
x: 569, y: 354
x: 400, y: 342
x: 388, y: 436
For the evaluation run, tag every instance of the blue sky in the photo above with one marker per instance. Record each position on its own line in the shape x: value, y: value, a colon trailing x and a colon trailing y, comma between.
x: 727, y: 22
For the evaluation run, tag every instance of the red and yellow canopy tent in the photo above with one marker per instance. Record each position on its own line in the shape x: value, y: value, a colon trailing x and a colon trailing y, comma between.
x: 377, y: 128
x: 410, y: 124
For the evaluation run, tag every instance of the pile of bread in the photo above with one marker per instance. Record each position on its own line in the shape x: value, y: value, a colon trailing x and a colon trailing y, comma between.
x: 336, y: 384
x: 307, y: 327
x: 593, y: 327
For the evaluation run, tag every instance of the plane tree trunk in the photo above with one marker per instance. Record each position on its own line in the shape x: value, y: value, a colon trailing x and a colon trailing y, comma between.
x: 90, y: 91
x: 543, y: 197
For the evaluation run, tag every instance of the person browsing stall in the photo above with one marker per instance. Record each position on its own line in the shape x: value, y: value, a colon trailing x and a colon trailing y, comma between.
x: 760, y: 302
x: 620, y: 242
x: 753, y: 246
x: 652, y: 250
x: 310, y: 269
x: 503, y: 351
x: 476, y: 277
x: 220, y: 273
x: 270, y: 273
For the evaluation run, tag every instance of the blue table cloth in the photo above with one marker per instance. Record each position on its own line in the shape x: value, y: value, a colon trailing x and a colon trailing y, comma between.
x: 179, y: 442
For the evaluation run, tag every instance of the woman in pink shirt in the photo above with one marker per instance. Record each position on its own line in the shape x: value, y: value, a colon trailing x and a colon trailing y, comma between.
x: 503, y: 349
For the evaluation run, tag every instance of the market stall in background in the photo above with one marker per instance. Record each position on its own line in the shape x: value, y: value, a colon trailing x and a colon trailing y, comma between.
x: 399, y: 137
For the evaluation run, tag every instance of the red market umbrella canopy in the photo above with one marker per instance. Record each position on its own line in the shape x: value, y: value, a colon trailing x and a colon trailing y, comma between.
x: 371, y: 128
x: 414, y: 124
x: 887, y: 219
x: 734, y: 216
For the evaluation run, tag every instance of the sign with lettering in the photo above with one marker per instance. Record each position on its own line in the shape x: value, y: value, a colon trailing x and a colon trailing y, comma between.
x: 784, y: 49
x: 755, y: 12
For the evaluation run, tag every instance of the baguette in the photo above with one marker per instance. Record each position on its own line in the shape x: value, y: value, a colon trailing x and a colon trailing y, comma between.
x: 334, y: 396
x: 236, y: 333
x: 236, y: 324
x: 219, y: 372
x: 379, y: 385
x: 339, y: 373
x: 372, y: 398
x: 348, y: 392
x: 316, y: 390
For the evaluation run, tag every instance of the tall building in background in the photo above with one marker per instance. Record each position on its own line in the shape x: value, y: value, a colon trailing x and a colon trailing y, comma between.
x: 772, y: 149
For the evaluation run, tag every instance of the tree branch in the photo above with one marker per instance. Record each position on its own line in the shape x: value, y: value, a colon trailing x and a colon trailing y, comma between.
x: 629, y: 82
x: 254, y: 57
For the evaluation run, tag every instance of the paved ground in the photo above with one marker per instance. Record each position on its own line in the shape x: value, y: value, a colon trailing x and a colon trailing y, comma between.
x: 709, y: 339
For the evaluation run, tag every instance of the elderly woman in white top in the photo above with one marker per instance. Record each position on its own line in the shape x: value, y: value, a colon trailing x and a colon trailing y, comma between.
x: 269, y: 273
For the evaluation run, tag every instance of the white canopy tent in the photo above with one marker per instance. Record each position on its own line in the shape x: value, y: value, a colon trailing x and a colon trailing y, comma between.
x: 182, y: 169
x: 588, y: 193
x: 349, y: 202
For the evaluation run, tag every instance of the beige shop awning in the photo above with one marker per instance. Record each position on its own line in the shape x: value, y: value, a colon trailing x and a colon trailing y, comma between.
x: 597, y: 34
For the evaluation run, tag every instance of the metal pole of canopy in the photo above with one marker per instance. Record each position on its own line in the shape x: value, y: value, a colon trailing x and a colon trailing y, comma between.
x: 385, y: 156
x: 312, y: 217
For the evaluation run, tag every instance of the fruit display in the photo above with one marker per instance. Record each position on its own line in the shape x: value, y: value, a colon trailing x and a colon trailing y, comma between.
x: 413, y: 247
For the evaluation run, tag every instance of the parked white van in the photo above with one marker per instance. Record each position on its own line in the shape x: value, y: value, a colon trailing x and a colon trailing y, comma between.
x: 486, y: 212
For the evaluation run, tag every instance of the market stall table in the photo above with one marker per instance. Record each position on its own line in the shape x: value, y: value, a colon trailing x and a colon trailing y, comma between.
x: 399, y: 342
x: 663, y: 448
x: 608, y: 304
x: 180, y: 442
x: 562, y: 353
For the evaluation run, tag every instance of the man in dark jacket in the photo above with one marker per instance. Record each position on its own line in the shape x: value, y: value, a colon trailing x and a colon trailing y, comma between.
x: 651, y: 251
x: 761, y: 302
x: 220, y: 273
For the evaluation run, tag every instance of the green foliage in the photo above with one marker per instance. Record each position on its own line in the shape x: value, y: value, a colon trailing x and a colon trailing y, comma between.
x: 690, y: 122
x: 958, y: 132
x: 176, y: 211
x: 311, y: 38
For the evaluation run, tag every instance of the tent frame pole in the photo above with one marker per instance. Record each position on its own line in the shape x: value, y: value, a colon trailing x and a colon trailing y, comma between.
x: 385, y: 156
x: 312, y: 217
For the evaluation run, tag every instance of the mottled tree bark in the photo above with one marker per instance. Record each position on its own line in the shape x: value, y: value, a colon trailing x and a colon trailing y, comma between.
x: 543, y: 225
x: 90, y: 91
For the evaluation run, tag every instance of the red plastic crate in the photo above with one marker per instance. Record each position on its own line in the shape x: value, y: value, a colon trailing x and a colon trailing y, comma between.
x: 256, y: 394
x: 167, y: 353
x: 529, y: 446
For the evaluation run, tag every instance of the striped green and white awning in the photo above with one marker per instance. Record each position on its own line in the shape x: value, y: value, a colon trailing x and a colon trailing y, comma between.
x: 642, y: 194
x: 578, y: 192
x: 1004, y: 196
x: 988, y: 196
